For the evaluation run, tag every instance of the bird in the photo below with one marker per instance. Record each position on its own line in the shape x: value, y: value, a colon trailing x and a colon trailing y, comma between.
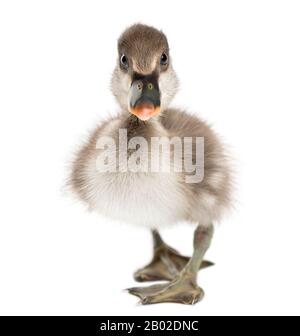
x: 144, y: 84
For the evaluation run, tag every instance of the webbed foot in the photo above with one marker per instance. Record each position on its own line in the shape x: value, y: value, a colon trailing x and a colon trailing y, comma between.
x: 183, y: 289
x: 165, y: 265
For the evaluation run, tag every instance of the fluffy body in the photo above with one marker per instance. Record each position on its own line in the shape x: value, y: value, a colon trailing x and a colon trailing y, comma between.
x: 154, y: 199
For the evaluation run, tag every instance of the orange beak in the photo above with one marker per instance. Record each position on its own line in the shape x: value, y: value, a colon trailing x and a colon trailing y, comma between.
x: 144, y: 97
x: 145, y: 110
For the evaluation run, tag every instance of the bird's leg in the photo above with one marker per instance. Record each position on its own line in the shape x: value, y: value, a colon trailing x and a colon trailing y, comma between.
x: 166, y: 262
x: 183, y: 288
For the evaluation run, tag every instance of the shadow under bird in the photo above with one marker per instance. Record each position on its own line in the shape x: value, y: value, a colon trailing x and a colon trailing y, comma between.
x: 144, y: 83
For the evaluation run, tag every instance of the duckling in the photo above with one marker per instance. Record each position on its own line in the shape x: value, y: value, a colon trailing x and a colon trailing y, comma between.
x: 144, y: 83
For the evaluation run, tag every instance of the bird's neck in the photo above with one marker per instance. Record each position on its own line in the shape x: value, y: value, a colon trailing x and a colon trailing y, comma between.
x: 136, y: 127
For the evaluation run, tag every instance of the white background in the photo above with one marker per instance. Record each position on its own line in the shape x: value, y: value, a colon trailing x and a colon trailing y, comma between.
x: 239, y: 67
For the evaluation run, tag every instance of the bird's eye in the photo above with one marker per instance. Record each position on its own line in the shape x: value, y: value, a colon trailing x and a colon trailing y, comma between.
x: 164, y: 59
x: 124, y: 61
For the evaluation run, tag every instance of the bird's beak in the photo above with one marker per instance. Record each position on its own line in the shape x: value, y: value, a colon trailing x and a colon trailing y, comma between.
x: 144, y: 97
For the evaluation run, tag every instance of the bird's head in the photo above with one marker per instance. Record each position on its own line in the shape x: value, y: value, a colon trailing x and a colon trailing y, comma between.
x: 143, y: 81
